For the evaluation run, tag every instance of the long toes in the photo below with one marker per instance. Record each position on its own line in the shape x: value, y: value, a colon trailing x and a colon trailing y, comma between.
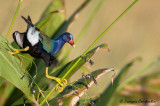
x: 65, y: 82
x: 57, y: 88
x: 12, y: 53
x: 60, y: 89
x: 61, y: 84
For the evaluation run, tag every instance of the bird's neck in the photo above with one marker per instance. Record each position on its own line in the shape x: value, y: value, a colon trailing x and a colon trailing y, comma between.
x: 58, y: 44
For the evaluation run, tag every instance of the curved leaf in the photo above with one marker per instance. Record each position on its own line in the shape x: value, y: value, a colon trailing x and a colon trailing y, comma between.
x: 111, y: 89
x: 11, y: 70
x: 61, y: 72
x: 106, y: 97
x: 72, y: 93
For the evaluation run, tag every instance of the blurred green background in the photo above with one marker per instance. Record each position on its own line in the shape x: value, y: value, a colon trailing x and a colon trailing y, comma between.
x: 135, y: 34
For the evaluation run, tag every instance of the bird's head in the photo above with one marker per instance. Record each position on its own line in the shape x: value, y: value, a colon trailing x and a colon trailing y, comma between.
x: 67, y: 37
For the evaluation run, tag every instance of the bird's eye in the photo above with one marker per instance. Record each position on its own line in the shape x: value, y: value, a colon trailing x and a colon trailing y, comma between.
x: 68, y: 37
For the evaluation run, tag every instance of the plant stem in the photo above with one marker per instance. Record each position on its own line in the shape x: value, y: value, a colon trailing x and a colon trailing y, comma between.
x: 15, y: 14
x: 108, y: 28
x: 87, y: 51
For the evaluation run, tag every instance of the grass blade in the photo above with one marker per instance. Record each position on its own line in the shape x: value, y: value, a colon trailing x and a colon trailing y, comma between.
x: 15, y: 14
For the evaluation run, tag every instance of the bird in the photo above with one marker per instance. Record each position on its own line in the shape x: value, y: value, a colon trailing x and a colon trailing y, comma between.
x: 39, y: 45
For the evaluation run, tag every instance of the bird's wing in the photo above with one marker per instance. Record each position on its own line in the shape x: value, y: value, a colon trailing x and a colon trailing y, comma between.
x: 19, y: 38
x: 47, y: 43
x: 44, y: 39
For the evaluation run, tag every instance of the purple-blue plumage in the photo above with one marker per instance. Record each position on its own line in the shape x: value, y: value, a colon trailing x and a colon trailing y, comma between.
x: 60, y: 41
x: 57, y: 45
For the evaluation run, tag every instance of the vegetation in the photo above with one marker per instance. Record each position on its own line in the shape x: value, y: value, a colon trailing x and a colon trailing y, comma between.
x: 27, y: 75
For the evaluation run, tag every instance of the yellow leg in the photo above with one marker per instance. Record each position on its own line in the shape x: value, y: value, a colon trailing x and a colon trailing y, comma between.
x: 19, y: 50
x: 56, y: 79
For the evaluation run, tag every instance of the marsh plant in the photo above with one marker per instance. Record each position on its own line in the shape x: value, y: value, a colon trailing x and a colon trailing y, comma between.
x: 27, y: 75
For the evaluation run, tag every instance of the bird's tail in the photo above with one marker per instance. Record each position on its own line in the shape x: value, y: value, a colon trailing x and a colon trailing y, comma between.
x: 28, y: 21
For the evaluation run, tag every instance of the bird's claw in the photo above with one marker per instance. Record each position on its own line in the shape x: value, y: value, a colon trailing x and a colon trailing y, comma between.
x: 64, y: 82
x: 60, y: 89
x: 61, y: 84
x: 19, y: 50
x: 12, y: 53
